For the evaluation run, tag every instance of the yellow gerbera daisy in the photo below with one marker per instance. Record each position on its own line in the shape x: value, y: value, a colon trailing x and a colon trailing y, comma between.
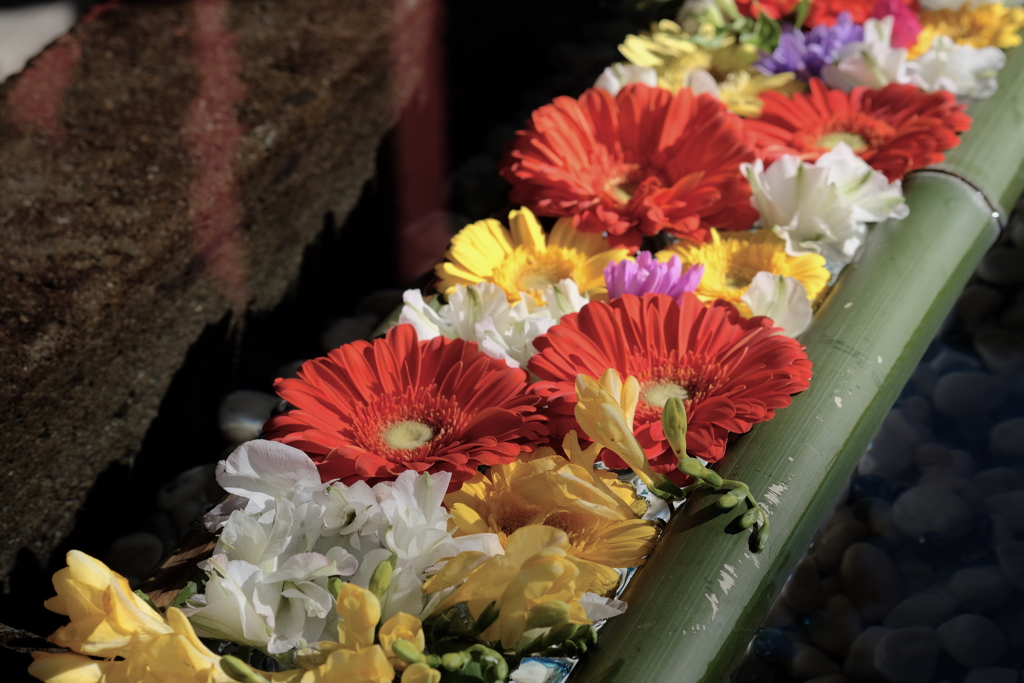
x: 993, y: 24
x: 597, y: 512
x: 524, y: 260
x: 677, y: 59
x: 731, y: 260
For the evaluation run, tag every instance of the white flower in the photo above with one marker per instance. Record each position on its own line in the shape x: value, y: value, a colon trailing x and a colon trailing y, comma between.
x: 783, y: 299
x: 967, y: 72
x: 873, y: 62
x: 619, y: 75
x: 482, y: 313
x: 823, y: 207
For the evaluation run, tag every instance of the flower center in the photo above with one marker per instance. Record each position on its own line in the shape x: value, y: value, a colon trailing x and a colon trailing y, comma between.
x: 657, y: 395
x: 830, y: 140
x: 530, y: 271
x: 407, y: 435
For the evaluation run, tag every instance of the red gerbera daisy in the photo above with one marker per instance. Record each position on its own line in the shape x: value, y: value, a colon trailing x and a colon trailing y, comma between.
x: 634, y: 164
x: 896, y: 129
x: 372, y: 410
x: 825, y: 12
x: 731, y: 372
x: 776, y: 9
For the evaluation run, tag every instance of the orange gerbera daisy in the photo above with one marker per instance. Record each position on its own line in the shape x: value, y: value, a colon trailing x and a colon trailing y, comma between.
x: 776, y: 9
x: 372, y: 410
x: 634, y: 164
x: 730, y: 372
x: 896, y: 129
x: 825, y: 12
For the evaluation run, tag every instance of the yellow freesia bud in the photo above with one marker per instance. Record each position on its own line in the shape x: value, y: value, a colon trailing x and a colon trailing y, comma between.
x: 105, y: 614
x: 405, y: 627
x: 421, y: 673
x: 368, y: 665
x: 358, y: 616
x: 605, y: 411
x: 68, y: 667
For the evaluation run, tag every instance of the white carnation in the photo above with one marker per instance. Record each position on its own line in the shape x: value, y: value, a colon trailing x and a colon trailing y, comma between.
x: 619, y: 75
x: 872, y: 62
x: 967, y: 72
x: 783, y: 299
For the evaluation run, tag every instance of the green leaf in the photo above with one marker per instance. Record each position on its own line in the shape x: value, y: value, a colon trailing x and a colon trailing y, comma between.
x: 802, y: 10
x: 187, y: 592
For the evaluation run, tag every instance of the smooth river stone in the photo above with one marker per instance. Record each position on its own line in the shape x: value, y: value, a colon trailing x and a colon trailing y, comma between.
x: 965, y: 393
x: 859, y: 665
x: 924, y: 609
x: 871, y: 580
x: 991, y: 674
x: 979, y: 589
x: 1011, y: 563
x: 931, y: 507
x: 908, y: 655
x: 1007, y: 438
x: 1009, y: 505
x: 836, y: 627
x: 972, y: 640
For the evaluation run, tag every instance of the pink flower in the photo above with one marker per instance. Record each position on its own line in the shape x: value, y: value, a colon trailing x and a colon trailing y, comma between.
x: 905, y: 25
x: 647, y: 275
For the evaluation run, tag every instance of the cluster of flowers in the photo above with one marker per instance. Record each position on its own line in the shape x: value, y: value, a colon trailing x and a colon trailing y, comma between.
x: 469, y: 489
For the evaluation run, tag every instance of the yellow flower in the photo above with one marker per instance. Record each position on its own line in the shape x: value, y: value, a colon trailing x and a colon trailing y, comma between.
x: 358, y: 615
x: 732, y: 259
x: 177, y: 656
x: 105, y: 614
x: 523, y: 259
x: 421, y: 673
x: 368, y: 665
x: 741, y: 90
x: 993, y: 24
x: 595, y: 510
x: 536, y: 568
x: 678, y: 59
x: 402, y: 626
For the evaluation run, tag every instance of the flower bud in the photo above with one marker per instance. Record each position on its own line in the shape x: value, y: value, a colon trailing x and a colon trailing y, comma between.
x: 239, y: 670
x: 421, y: 673
x: 713, y: 478
x: 407, y: 652
x: 560, y: 635
x: 453, y: 661
x: 693, y: 468
x: 380, y: 580
x: 673, y: 422
x: 728, y: 501
x: 334, y: 586
x: 548, y: 613
x: 749, y: 518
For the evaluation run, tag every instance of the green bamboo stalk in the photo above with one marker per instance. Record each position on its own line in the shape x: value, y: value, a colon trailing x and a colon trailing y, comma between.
x: 702, y: 594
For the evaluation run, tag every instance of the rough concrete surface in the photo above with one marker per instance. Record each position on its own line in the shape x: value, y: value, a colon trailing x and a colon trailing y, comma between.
x: 162, y: 165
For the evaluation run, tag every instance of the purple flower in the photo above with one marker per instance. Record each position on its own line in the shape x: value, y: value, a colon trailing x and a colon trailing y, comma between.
x: 806, y: 53
x: 647, y: 275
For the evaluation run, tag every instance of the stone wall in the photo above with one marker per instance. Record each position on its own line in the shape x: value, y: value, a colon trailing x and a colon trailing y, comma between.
x: 161, y: 166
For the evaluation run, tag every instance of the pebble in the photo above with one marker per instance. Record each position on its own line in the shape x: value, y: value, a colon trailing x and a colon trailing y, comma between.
x: 947, y: 361
x: 346, y: 330
x: 828, y: 550
x: 887, y: 456
x: 871, y: 580
x: 991, y: 674
x: 924, y: 609
x: 198, y: 483
x: 877, y: 514
x: 1007, y: 438
x: 917, y: 409
x: 978, y: 302
x: 810, y: 662
x: 933, y: 458
x: 1011, y: 563
x: 780, y: 615
x: 917, y: 575
x: 772, y: 645
x: 1002, y: 266
x: 999, y: 480
x: 243, y: 414
x: 803, y: 590
x: 979, y: 589
x: 931, y: 507
x: 908, y: 655
x: 134, y: 555
x: 972, y: 640
x: 1002, y: 532
x: 965, y: 393
x: 859, y: 665
x: 1001, y: 350
x: 1013, y: 318
x: 905, y: 429
x: 1009, y: 505
x: 1010, y: 621
x: 835, y: 628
